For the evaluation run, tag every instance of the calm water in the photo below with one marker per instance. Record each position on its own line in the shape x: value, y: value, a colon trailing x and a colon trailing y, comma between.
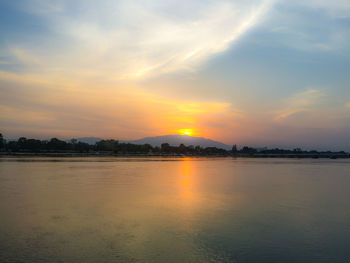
x: 174, y: 210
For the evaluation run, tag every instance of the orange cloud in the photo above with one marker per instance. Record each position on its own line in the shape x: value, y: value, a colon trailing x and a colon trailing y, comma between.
x: 126, y: 112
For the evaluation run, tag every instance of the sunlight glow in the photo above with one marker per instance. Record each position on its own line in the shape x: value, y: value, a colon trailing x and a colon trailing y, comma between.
x: 188, y: 132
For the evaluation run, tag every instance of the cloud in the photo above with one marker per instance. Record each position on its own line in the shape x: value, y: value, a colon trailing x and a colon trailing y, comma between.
x: 347, y: 105
x: 299, y: 102
x: 310, y: 26
x: 335, y: 8
x: 28, y: 108
x: 128, y: 40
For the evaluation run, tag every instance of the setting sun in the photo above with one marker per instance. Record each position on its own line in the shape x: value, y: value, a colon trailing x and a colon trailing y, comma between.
x: 188, y: 132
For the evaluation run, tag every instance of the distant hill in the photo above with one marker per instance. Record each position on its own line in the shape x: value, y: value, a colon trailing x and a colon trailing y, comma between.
x: 89, y: 140
x: 173, y: 140
x: 176, y: 140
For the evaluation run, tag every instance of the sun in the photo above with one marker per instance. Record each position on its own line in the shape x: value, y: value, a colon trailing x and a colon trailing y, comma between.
x: 188, y: 132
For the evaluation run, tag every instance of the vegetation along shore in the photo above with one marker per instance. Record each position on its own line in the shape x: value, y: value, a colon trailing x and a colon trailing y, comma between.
x: 56, y: 147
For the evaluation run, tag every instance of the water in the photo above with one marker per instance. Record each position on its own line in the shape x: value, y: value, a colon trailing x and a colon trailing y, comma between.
x: 174, y: 210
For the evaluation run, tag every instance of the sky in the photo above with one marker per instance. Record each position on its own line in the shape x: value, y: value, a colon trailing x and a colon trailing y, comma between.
x: 270, y: 73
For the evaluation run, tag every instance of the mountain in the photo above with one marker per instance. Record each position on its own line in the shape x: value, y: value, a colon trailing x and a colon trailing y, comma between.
x: 176, y: 140
x: 89, y: 140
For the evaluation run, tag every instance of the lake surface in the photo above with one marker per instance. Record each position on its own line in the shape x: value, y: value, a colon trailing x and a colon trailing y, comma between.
x: 174, y: 210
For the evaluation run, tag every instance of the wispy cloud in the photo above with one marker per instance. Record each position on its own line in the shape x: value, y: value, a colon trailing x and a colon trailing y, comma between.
x: 138, y: 39
x: 335, y: 8
x: 311, y: 26
x: 299, y: 102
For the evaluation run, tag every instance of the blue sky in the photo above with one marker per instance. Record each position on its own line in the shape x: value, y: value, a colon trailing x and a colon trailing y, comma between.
x: 259, y: 72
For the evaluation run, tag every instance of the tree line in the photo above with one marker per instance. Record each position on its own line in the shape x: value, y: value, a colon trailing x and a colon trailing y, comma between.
x: 54, y: 145
x: 106, y: 146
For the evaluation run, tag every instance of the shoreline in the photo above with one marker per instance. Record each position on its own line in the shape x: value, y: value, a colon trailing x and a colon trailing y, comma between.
x: 257, y: 155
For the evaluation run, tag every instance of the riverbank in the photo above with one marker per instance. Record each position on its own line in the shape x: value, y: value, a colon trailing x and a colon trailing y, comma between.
x: 239, y: 155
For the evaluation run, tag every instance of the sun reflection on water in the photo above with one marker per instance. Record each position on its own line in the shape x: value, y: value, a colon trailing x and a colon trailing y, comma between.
x: 187, y: 184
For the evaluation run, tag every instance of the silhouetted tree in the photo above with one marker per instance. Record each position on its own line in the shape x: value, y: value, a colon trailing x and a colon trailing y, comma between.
x: 248, y: 150
x: 12, y: 146
x: 21, y: 142
x: 81, y: 147
x: 156, y: 149
x: 147, y: 148
x: 297, y: 150
x: 197, y: 149
x: 165, y: 147
x: 2, y: 142
x: 107, y: 145
x: 234, y: 149
x: 32, y: 145
x: 182, y: 149
x: 56, y: 145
